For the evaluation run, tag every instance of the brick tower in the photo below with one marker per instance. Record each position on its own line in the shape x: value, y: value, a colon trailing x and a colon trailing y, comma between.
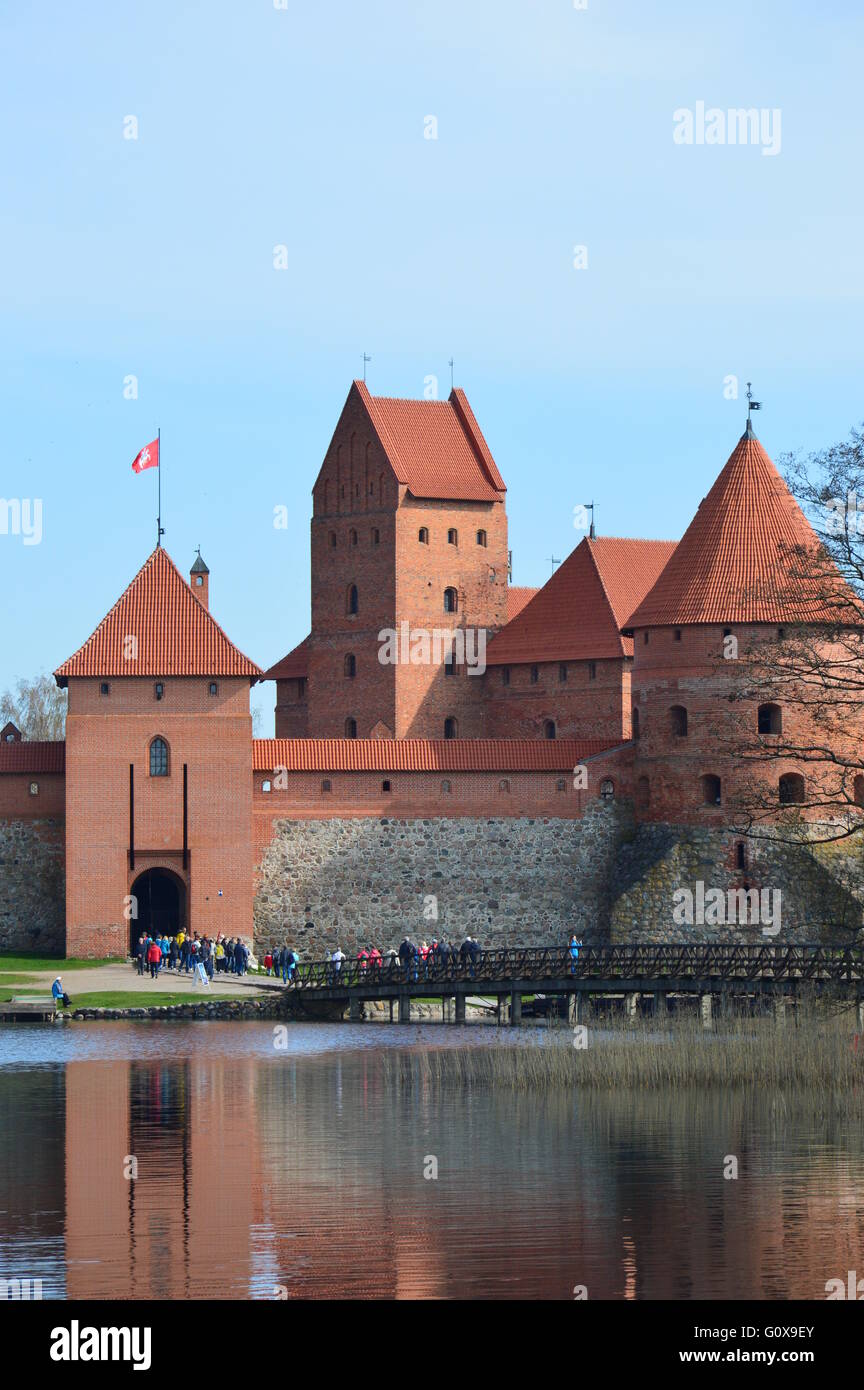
x: 158, y: 769
x: 409, y: 536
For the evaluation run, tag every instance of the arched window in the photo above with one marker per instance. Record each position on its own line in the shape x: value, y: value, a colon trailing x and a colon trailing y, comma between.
x: 607, y: 789
x: 452, y: 536
x: 740, y: 855
x: 561, y: 785
x: 535, y: 674
x: 385, y: 785
x: 451, y: 727
x: 266, y: 786
x: 481, y: 537
x: 643, y: 793
x: 423, y: 535
x: 549, y: 728
x: 711, y: 790
x: 635, y: 723
x: 350, y: 665
x: 451, y: 601
x: 858, y: 790
x: 352, y: 536
x: 446, y: 787
x: 350, y: 727
x: 331, y: 537
x: 376, y: 536
x: 678, y: 721
x: 504, y: 786
x: 769, y: 719
x: 352, y: 603
x: 158, y: 758
x: 326, y: 785
x: 791, y: 789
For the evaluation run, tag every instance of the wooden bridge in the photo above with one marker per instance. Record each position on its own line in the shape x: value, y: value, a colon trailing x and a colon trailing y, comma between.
x: 627, y: 974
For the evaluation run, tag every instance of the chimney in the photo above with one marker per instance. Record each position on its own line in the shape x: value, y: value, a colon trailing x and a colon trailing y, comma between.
x: 199, y: 580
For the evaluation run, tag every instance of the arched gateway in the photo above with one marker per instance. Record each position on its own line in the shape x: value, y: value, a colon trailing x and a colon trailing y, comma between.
x: 160, y: 900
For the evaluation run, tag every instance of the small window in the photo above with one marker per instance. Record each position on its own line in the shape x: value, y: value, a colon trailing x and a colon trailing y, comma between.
x: 535, y: 674
x: 592, y: 670
x: 504, y: 786
x: 481, y: 537
x: 446, y: 787
x: 635, y: 723
x: 356, y: 489
x: 781, y: 634
x: 561, y: 785
x: 34, y: 788
x: 265, y: 786
x: 549, y: 728
x: 645, y: 636
x: 423, y: 535
x: 158, y: 758
x: 342, y: 490
x: 350, y: 665
x: 769, y: 719
x: 711, y: 790
x: 301, y: 687
x: 791, y: 789
x: 727, y: 632
x: 451, y: 727
x: 326, y: 785
x: 352, y: 536
x: 199, y: 581
x: 452, y: 536
x: 159, y: 690
x: 352, y: 603
x: 505, y: 675
x: 451, y: 601
x: 562, y: 672
x: 376, y: 536
x: 677, y: 634
x: 331, y: 537
x: 450, y: 665
x: 104, y: 688
x: 350, y: 728
x: 214, y: 688
x: 607, y: 789
x: 678, y: 721
x: 741, y: 855
x: 385, y: 785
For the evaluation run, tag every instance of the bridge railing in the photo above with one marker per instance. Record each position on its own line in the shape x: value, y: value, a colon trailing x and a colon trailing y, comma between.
x: 644, y: 962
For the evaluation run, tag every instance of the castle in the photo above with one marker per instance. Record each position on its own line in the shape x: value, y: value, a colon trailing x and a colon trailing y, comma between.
x: 449, y: 749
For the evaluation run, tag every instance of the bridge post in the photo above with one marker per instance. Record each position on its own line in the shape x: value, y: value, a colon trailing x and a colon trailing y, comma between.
x: 459, y: 1008
x: 705, y: 1010
x: 780, y: 1010
x: 659, y: 1004
x: 503, y: 1014
x: 447, y: 1008
x: 515, y: 1009
x: 355, y: 1010
x: 631, y: 1004
x: 577, y: 1007
x: 404, y: 1008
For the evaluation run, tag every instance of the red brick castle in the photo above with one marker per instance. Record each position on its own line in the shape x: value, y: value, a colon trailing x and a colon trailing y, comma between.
x: 515, y: 756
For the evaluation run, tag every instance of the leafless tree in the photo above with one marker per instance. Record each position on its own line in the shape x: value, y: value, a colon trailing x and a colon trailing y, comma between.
x: 37, y: 708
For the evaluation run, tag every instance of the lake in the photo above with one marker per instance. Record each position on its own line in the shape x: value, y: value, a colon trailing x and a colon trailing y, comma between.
x: 310, y: 1171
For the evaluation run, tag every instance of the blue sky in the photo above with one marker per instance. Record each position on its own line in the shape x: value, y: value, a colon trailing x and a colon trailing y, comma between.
x: 304, y: 127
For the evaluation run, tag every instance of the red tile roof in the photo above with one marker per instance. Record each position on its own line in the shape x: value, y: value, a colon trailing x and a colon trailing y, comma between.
x: 33, y: 757
x: 295, y: 664
x: 578, y: 613
x: 517, y: 597
x: 423, y: 754
x: 736, y: 561
x: 435, y: 448
x: 176, y: 634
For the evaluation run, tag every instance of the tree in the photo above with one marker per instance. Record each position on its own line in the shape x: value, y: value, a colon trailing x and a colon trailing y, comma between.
x: 38, y: 708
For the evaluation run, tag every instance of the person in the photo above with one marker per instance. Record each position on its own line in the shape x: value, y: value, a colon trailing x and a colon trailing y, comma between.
x: 473, y: 953
x: 336, y: 962
x: 59, y: 994
x: 163, y: 945
x: 219, y: 955
x: 154, y: 958
x: 140, y: 951
x: 574, y: 953
x: 240, y: 957
x: 268, y: 961
x: 363, y: 959
x: 173, y: 953
x: 374, y: 961
x: 443, y: 955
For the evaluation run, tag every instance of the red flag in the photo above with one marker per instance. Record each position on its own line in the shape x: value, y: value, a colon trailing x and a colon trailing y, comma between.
x: 148, y: 457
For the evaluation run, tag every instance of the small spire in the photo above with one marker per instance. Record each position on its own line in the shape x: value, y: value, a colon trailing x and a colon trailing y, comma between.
x: 198, y: 565
x: 749, y: 432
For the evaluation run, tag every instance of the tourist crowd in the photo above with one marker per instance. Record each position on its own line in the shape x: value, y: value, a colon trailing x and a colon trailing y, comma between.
x: 224, y: 955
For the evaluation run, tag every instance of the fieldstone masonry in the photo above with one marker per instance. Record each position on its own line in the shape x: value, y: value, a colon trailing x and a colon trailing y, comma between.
x: 32, y: 886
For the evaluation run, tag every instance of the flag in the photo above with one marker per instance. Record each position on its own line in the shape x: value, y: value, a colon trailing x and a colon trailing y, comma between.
x: 148, y: 457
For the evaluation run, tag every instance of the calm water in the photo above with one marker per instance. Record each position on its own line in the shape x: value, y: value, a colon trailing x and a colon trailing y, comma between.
x: 303, y: 1169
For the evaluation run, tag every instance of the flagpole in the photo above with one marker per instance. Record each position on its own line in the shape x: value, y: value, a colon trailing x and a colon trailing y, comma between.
x: 159, y: 471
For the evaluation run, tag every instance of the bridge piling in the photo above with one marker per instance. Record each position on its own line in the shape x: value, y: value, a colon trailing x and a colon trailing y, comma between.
x: 515, y: 1009
x: 631, y: 1005
x: 705, y: 1010
x: 459, y: 1008
x: 355, y: 1010
x: 404, y: 1008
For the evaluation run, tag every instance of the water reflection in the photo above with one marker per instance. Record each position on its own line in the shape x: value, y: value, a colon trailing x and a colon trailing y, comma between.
x: 305, y: 1171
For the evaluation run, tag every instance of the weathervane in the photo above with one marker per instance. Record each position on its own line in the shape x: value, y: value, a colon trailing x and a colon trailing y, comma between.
x: 450, y: 363
x: 751, y: 404
x: 589, y: 507
x: 365, y: 360
x: 553, y: 560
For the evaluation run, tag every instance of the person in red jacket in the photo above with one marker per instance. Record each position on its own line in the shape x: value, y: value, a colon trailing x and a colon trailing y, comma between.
x: 154, y: 958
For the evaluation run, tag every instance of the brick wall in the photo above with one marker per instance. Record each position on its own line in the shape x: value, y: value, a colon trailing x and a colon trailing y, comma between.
x: 581, y: 706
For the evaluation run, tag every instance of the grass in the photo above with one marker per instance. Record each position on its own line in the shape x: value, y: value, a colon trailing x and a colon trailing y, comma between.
x: 815, y: 1052
x: 17, y: 979
x: 58, y: 963
x: 119, y: 999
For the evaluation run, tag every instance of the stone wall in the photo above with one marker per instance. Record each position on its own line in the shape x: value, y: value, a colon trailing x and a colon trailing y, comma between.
x: 821, y: 887
x: 507, y: 882
x: 32, y: 885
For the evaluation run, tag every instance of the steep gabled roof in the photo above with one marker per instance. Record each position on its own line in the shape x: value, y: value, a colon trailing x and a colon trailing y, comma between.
x: 424, y: 754
x: 174, y: 632
x: 295, y: 664
x: 435, y: 448
x: 38, y: 756
x: 737, y: 559
x: 578, y: 613
x: 517, y: 597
